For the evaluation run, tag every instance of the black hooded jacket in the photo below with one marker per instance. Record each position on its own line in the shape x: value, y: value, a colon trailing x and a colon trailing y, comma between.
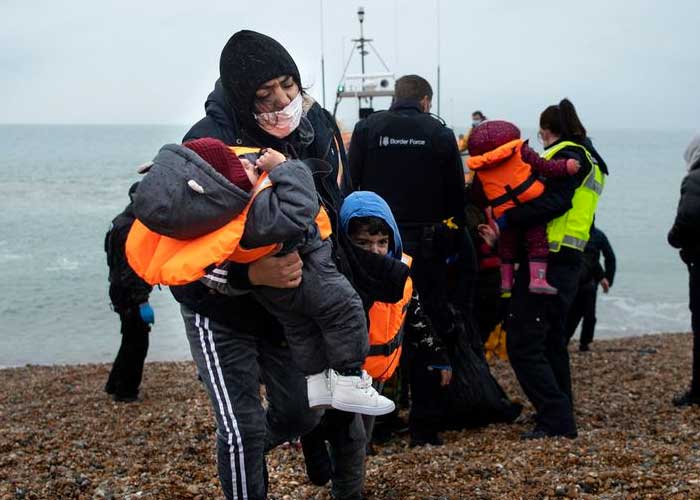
x: 685, y: 233
x: 317, y: 141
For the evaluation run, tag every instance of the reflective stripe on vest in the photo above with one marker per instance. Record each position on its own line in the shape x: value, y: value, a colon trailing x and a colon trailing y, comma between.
x: 573, y: 228
x: 386, y: 333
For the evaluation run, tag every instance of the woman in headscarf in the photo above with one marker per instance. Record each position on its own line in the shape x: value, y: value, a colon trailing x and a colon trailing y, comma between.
x: 259, y: 101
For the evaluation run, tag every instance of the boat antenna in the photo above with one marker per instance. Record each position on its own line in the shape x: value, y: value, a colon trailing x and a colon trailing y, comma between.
x: 370, y: 85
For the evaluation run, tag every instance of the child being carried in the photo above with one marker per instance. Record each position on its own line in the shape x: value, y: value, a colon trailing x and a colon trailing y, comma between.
x: 323, y: 318
x: 508, y: 170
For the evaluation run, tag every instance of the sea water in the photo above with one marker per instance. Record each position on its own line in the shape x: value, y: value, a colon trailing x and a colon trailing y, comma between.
x: 60, y: 186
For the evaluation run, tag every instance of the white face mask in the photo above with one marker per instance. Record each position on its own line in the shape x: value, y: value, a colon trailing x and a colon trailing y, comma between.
x: 282, y: 123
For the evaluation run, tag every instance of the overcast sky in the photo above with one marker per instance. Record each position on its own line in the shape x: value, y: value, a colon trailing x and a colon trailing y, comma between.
x: 624, y: 64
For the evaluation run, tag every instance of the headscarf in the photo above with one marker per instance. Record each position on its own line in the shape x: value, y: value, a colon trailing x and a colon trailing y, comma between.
x: 248, y: 60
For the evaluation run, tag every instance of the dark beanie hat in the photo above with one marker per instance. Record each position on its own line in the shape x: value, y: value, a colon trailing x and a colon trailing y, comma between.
x: 491, y: 134
x: 248, y: 60
x: 219, y: 155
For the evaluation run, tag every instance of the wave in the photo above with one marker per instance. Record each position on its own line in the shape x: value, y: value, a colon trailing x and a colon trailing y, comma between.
x: 621, y: 316
x: 63, y: 264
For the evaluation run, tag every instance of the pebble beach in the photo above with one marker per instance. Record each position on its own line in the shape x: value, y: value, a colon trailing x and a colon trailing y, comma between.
x: 61, y: 436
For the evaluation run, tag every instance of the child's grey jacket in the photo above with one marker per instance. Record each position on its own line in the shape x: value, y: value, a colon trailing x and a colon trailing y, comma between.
x: 184, y: 197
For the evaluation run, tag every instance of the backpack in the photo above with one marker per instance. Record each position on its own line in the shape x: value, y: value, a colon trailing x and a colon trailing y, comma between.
x: 126, y: 288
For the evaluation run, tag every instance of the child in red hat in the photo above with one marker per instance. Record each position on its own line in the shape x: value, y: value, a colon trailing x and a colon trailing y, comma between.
x: 508, y: 169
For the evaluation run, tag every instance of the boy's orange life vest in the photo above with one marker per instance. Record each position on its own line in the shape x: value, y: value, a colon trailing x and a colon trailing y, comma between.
x: 159, y: 259
x: 506, y: 178
x: 386, y: 333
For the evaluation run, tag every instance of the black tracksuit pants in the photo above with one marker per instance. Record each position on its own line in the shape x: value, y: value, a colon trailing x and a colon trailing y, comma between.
x: 537, y: 341
x: 583, y: 308
x: 127, y: 370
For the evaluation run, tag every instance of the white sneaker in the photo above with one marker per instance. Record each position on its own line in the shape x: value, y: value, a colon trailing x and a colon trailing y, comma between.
x: 318, y: 388
x: 356, y: 395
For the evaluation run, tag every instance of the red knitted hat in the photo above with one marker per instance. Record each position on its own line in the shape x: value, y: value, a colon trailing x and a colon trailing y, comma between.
x: 219, y: 155
x: 489, y: 135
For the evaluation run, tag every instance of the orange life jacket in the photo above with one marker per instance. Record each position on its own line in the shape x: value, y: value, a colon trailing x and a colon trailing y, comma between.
x: 386, y: 333
x: 159, y: 259
x: 506, y: 178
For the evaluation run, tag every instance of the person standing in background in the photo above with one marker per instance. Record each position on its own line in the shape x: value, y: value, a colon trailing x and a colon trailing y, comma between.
x: 592, y: 275
x: 259, y: 101
x: 685, y: 235
x: 536, y: 324
x: 129, y: 296
x: 410, y: 158
x: 477, y: 118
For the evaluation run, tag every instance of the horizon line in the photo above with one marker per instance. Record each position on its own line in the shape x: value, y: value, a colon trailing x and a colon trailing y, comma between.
x: 125, y: 124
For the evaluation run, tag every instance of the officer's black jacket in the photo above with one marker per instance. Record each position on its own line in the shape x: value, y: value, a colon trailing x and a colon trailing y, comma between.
x: 411, y: 160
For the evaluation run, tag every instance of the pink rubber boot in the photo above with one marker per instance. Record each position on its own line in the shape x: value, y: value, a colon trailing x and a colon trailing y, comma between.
x: 506, y: 278
x: 538, y: 279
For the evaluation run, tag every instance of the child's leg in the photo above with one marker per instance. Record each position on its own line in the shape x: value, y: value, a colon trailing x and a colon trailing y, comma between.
x: 335, y: 337
x: 507, y: 251
x: 537, y: 252
x: 300, y: 331
x: 336, y: 309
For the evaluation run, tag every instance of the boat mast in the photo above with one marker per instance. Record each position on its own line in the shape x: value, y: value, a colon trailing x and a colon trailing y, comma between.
x: 371, y: 85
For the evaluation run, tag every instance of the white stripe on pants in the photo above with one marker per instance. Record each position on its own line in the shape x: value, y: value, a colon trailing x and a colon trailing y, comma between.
x: 218, y: 379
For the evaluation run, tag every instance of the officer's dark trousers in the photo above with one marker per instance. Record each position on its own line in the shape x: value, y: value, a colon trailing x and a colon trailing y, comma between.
x: 127, y: 370
x: 488, y: 304
x: 537, y: 342
x: 429, y: 400
x: 694, y: 271
x: 583, y: 308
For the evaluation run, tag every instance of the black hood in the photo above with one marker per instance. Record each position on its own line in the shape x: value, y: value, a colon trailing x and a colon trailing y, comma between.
x: 586, y: 142
x: 218, y: 108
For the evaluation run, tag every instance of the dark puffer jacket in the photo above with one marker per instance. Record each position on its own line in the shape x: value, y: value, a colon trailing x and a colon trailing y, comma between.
x: 685, y: 233
x: 317, y: 141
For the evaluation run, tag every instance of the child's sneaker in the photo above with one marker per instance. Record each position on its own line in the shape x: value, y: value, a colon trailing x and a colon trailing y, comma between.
x: 318, y: 388
x: 356, y: 395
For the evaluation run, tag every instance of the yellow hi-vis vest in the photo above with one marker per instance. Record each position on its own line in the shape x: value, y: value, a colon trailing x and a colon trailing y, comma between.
x: 574, y: 227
